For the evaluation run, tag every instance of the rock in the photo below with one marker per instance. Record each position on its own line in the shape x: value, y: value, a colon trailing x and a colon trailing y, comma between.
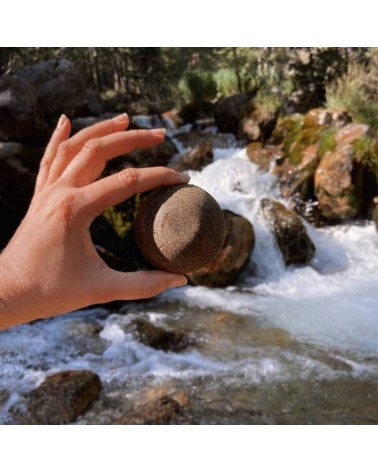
x: 374, y: 215
x: 298, y: 179
x: 343, y: 181
x: 179, y: 228
x: 60, y: 87
x: 92, y: 104
x: 263, y: 157
x: 228, y: 113
x: 16, y: 190
x: 29, y: 156
x: 158, y: 412
x: 290, y: 233
x: 238, y: 244
x: 4, y: 397
x: 84, y: 335
x: 350, y: 133
x: 197, y: 158
x: 61, y: 398
x: 191, y: 138
x: 21, y: 118
x: 303, y: 141
x: 160, y: 338
x: 258, y: 122
x: 156, y: 156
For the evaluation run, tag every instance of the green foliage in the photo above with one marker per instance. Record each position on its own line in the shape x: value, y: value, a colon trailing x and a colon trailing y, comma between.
x: 198, y: 86
x: 366, y: 149
x: 357, y: 92
x: 327, y: 141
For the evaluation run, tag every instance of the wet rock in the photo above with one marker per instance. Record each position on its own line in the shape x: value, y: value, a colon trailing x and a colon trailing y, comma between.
x: 298, y: 180
x: 263, y: 157
x: 290, y: 233
x: 21, y: 118
x: 163, y: 410
x: 61, y: 398
x: 84, y: 335
x: 344, y: 183
x: 161, y: 338
x: 197, y: 158
x: 374, y: 216
x: 238, y: 244
x: 60, y: 87
x: 179, y: 228
x: 4, y: 397
x: 258, y: 122
x: 228, y: 112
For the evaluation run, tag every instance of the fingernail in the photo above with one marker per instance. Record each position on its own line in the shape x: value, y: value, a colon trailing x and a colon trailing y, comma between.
x: 185, y: 178
x: 123, y: 118
x: 160, y: 132
x: 178, y: 282
x: 61, y: 121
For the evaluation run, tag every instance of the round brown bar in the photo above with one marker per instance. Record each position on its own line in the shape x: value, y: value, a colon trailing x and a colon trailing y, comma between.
x: 180, y: 228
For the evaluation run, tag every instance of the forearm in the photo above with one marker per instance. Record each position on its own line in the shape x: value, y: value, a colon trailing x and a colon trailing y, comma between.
x: 13, y: 298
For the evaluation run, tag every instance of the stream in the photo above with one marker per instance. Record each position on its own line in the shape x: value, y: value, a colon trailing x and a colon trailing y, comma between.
x: 283, y: 346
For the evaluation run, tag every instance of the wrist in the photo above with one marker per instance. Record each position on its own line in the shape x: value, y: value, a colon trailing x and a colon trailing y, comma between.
x: 11, y: 293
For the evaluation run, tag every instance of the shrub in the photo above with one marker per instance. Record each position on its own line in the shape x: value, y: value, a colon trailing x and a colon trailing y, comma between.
x: 357, y: 92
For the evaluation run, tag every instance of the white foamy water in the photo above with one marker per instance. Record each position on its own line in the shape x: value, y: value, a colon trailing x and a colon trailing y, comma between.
x: 329, y: 309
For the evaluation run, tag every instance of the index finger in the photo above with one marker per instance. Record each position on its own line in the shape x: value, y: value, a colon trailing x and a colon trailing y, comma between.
x: 118, y: 187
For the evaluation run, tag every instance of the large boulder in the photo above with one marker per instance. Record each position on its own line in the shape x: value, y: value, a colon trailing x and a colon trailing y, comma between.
x: 228, y: 112
x: 289, y: 231
x: 303, y: 140
x: 237, y: 247
x: 197, y: 158
x: 61, y: 398
x: 344, y: 182
x: 16, y: 190
x: 60, y: 87
x: 258, y: 122
x: 21, y: 118
x: 27, y: 155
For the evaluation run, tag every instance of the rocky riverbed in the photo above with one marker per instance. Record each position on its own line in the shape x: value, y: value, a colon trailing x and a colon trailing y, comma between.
x: 281, y: 328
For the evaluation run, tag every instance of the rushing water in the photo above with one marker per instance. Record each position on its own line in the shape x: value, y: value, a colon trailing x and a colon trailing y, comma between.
x: 297, y: 344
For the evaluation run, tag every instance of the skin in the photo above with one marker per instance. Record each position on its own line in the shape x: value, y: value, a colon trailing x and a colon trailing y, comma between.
x: 50, y: 266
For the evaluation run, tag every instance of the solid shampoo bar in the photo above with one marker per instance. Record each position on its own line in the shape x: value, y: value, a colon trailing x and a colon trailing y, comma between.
x: 180, y: 228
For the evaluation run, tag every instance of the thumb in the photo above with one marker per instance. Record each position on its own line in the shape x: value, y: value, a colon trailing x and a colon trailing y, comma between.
x: 143, y: 284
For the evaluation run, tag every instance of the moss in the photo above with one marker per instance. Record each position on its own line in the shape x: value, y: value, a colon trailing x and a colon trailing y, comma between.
x: 286, y: 127
x: 297, y: 142
x: 122, y: 216
x: 366, y: 150
x: 327, y: 141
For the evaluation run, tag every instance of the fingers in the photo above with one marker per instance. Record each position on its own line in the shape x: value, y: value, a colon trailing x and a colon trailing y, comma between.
x: 118, y: 187
x: 60, y: 134
x: 136, y: 285
x: 68, y: 149
x: 91, y: 161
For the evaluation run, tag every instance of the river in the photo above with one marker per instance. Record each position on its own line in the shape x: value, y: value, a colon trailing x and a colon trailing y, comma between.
x: 285, y: 345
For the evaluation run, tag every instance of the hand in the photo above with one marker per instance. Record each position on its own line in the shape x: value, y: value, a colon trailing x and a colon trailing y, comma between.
x: 50, y: 265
